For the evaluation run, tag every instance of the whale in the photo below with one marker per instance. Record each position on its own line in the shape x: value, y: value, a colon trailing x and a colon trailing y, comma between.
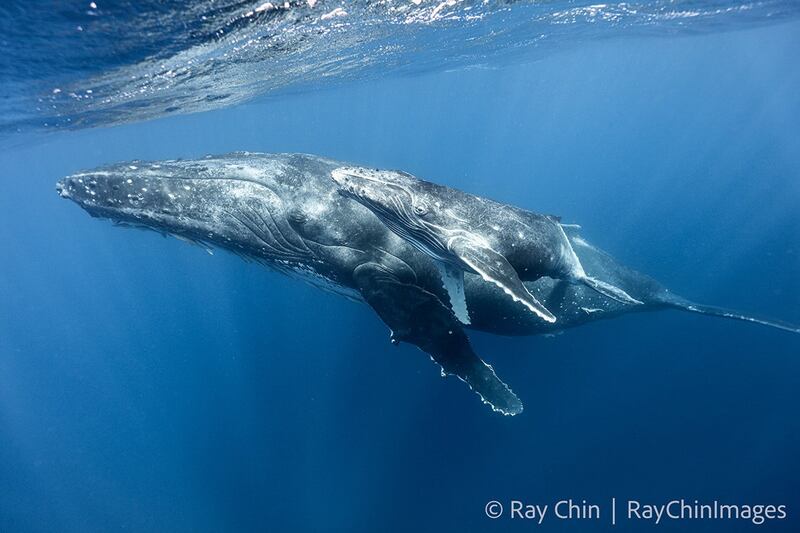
x: 284, y: 211
x: 462, y: 232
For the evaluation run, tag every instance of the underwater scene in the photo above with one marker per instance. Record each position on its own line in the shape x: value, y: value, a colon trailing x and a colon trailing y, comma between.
x: 365, y: 266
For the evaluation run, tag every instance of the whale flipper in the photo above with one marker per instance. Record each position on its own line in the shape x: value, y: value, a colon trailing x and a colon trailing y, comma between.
x: 453, y: 281
x: 418, y: 317
x: 494, y: 268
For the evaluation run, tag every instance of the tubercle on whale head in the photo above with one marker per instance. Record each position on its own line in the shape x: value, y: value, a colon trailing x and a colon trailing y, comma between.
x: 343, y: 177
x: 124, y: 192
x: 156, y: 196
x: 364, y: 184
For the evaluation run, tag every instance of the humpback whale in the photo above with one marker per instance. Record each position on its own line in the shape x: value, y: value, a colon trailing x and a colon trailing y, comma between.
x: 285, y: 212
x: 503, y: 244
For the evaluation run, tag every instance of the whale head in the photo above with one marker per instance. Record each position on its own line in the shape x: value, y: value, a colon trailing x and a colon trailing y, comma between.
x: 412, y: 208
x: 162, y: 197
x: 220, y: 202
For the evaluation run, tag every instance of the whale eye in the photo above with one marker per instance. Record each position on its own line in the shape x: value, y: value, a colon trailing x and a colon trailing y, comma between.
x: 420, y: 209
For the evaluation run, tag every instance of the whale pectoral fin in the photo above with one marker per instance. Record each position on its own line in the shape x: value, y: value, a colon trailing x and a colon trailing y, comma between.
x: 418, y: 317
x: 494, y: 268
x: 610, y: 291
x: 453, y: 281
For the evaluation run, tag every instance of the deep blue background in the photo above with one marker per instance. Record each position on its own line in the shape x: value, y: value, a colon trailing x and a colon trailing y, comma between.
x: 146, y: 386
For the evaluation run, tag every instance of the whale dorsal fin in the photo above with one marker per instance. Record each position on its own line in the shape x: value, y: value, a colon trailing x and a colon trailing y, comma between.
x: 418, y: 317
x: 494, y: 268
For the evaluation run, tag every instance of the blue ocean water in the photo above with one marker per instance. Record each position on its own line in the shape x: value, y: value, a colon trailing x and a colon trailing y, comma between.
x: 148, y: 386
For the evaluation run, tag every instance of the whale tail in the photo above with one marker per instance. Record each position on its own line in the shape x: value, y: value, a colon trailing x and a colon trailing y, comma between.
x: 686, y: 305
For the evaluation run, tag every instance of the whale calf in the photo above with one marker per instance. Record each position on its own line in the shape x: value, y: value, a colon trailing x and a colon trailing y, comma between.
x: 503, y: 244
x: 285, y: 212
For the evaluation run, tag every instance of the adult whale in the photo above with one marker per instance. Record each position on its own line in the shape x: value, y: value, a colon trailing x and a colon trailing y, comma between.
x: 284, y: 211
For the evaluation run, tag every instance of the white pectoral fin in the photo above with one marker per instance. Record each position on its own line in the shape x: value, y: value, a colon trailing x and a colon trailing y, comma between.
x: 453, y: 281
x: 494, y: 268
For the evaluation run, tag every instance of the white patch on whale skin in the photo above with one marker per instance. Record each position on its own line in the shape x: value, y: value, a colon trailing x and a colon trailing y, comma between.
x: 452, y: 213
x: 247, y: 171
x: 337, y: 12
x: 90, y: 174
x: 314, y: 208
x: 245, y: 190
